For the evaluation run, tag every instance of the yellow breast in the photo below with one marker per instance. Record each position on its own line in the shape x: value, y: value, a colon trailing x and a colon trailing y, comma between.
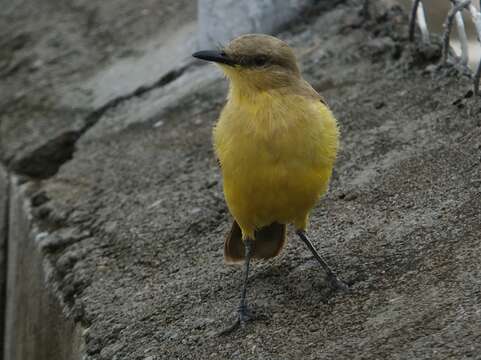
x: 276, y: 153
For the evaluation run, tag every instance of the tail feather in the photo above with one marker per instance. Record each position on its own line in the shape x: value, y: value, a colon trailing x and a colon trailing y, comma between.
x: 268, y: 243
x: 233, y: 246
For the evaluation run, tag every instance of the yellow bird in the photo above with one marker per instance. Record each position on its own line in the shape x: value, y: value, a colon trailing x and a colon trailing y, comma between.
x: 276, y: 141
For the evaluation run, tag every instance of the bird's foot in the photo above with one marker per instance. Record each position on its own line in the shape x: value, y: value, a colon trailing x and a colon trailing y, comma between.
x: 244, y: 315
x: 337, y: 284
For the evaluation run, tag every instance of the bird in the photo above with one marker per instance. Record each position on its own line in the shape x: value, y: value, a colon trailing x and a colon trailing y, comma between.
x: 276, y: 141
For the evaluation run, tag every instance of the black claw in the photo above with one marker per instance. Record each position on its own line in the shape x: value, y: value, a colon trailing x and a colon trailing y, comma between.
x: 334, y: 282
x: 230, y: 329
x: 244, y: 315
x: 338, y: 284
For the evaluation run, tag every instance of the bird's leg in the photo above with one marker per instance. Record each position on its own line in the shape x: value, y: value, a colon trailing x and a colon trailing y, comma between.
x: 334, y: 281
x: 243, y: 312
x: 243, y: 309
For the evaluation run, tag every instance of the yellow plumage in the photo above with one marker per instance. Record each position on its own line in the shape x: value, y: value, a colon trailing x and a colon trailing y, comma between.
x: 277, y: 148
x: 276, y: 141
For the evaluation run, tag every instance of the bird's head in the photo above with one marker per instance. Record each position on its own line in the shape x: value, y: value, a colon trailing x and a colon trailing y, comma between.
x: 259, y: 62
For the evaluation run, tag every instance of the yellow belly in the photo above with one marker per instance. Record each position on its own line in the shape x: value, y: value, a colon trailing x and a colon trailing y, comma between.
x: 275, y: 163
x: 281, y: 195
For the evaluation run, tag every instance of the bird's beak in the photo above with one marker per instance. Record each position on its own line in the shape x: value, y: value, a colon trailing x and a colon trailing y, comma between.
x: 214, y: 56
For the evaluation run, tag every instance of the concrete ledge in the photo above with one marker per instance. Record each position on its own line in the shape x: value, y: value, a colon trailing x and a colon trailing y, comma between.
x: 3, y: 247
x: 127, y: 237
x: 35, y: 327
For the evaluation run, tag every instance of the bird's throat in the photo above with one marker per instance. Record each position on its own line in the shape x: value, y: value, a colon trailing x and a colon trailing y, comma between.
x: 247, y: 95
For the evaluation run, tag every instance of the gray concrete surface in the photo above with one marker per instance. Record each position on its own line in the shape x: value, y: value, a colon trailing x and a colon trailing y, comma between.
x: 4, y: 200
x: 63, y: 65
x: 221, y: 21
x: 131, y: 228
x: 35, y: 325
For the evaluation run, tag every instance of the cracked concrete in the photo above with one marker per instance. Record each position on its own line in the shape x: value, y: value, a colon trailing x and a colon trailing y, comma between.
x: 130, y: 229
x: 57, y: 80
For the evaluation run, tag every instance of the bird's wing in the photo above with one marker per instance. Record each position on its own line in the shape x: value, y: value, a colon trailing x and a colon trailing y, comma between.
x: 303, y: 88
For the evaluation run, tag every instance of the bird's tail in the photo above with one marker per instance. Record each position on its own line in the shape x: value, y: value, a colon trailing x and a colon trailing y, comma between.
x: 268, y: 243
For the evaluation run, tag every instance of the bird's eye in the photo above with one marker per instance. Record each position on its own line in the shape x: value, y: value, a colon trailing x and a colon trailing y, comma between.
x: 260, y: 60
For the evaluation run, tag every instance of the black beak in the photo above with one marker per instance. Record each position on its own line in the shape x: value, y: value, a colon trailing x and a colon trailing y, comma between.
x: 215, y: 56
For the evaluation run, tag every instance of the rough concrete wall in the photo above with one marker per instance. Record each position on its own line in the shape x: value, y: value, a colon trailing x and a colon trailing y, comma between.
x: 4, y: 189
x: 63, y: 65
x: 220, y: 21
x: 136, y: 219
x: 35, y: 326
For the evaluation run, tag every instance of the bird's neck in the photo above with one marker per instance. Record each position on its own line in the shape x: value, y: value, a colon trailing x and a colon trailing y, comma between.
x: 257, y: 93
x: 243, y: 92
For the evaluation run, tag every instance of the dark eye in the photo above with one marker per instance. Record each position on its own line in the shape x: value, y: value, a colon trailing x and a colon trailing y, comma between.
x: 260, y: 60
